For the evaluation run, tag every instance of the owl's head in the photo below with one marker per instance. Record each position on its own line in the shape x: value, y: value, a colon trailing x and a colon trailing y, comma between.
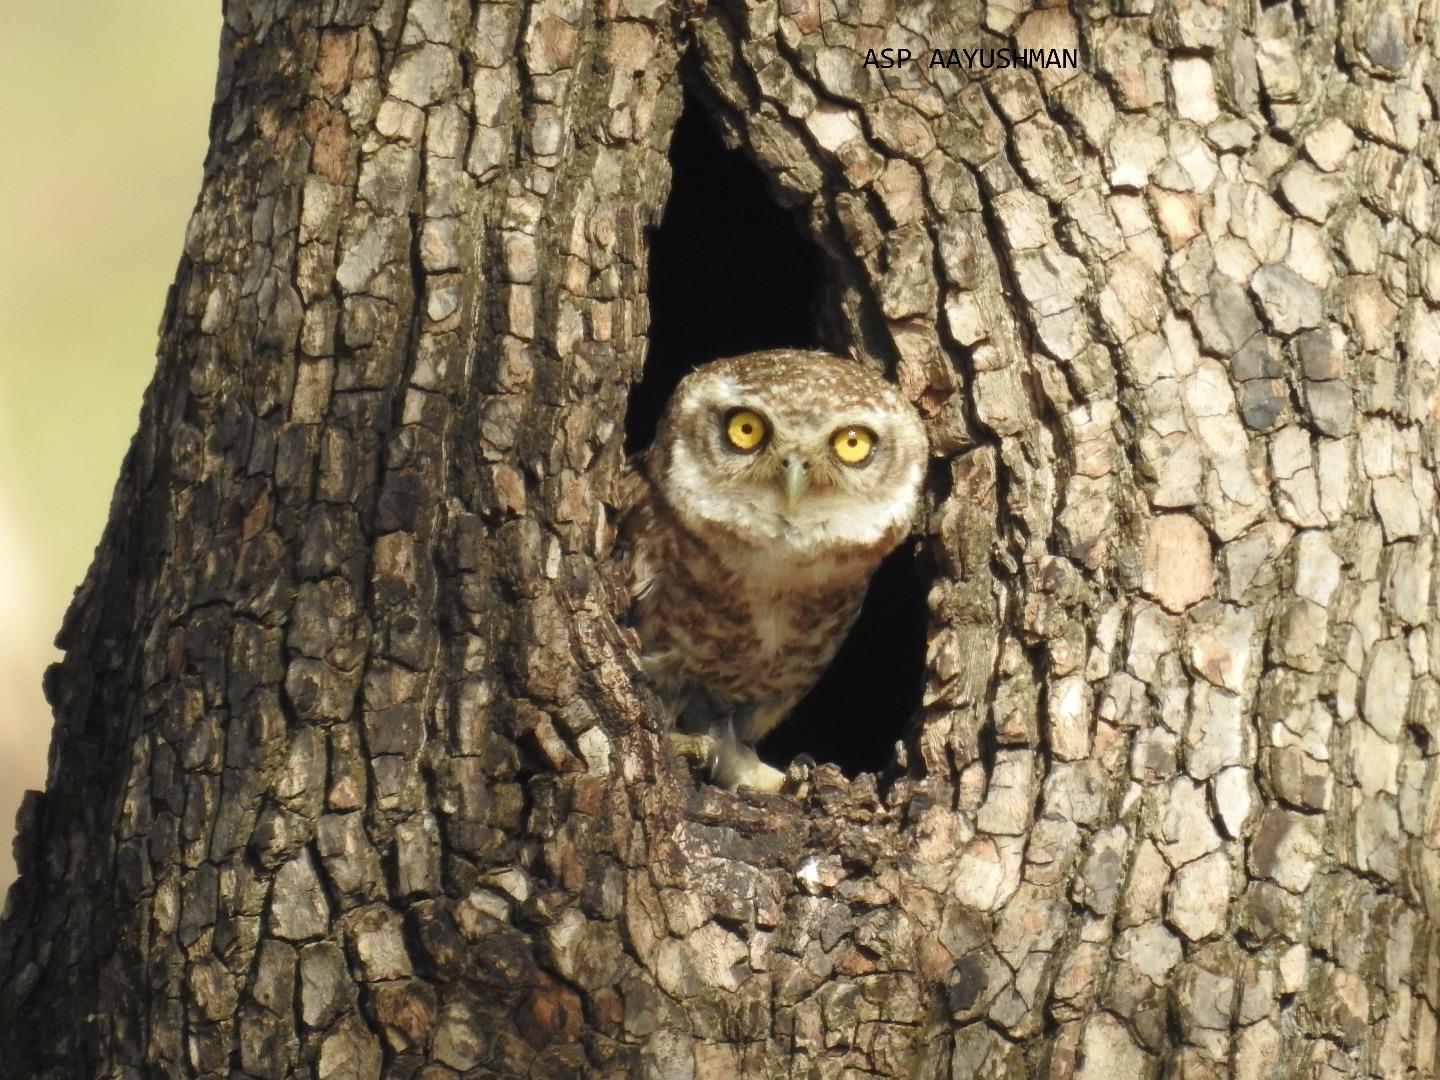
x: 793, y: 450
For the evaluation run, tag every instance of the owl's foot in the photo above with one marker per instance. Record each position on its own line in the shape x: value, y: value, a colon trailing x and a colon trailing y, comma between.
x: 702, y: 751
x: 740, y: 767
x: 728, y: 762
x: 797, y: 775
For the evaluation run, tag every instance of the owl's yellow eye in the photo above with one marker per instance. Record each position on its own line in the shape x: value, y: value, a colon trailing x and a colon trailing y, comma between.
x: 746, y: 430
x: 853, y: 445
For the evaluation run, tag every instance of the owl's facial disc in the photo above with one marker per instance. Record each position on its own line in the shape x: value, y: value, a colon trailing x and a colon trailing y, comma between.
x: 790, y: 453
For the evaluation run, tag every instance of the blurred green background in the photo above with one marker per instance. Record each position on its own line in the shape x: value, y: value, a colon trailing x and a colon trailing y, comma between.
x: 103, y: 114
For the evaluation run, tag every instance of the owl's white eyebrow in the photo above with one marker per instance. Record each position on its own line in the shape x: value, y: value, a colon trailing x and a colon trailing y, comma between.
x: 731, y: 389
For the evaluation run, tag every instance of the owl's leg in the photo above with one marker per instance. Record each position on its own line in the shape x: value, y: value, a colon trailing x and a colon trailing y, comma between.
x: 726, y: 760
x: 708, y: 738
x: 738, y: 765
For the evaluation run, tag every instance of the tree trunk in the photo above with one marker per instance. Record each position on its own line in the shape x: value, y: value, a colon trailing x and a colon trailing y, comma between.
x: 354, y: 774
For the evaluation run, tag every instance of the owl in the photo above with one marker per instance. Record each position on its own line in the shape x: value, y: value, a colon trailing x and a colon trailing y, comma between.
x: 776, y: 483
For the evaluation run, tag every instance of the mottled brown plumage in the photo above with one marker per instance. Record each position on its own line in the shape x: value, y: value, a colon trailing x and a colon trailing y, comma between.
x: 748, y: 563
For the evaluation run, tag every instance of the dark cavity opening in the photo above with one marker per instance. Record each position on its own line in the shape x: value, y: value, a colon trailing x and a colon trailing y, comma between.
x: 731, y: 272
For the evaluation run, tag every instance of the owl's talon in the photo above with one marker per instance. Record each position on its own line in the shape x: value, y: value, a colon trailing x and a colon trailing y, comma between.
x: 702, y: 751
x: 798, y: 774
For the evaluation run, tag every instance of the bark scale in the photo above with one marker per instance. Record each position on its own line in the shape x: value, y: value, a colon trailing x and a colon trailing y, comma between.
x: 353, y: 773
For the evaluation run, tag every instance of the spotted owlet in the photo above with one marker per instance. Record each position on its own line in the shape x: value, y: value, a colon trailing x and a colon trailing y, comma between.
x: 776, y: 483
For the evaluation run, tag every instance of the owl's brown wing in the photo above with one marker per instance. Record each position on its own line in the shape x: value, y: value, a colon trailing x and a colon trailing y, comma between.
x: 637, y: 507
x: 634, y: 486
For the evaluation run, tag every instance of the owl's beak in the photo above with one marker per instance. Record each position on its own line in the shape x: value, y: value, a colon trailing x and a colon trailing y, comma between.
x: 795, y: 479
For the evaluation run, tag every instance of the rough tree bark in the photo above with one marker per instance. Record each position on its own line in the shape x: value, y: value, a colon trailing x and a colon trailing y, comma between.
x: 353, y: 773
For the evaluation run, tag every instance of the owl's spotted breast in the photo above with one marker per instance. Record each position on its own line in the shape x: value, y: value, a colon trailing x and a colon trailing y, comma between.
x: 740, y: 625
x: 776, y: 484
